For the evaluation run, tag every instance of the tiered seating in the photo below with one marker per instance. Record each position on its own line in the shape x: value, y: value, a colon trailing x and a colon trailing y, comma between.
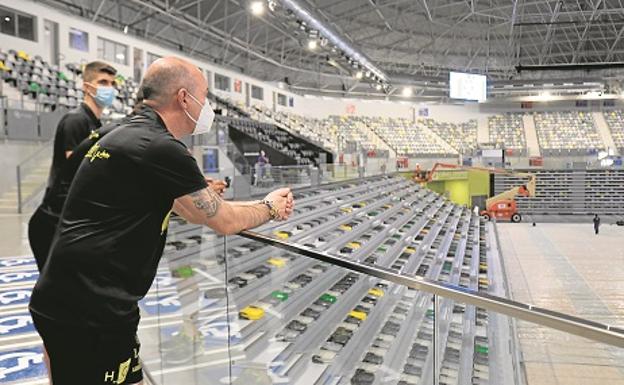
x: 51, y: 87
x: 615, y: 120
x: 572, y: 132
x: 351, y: 130
x: 406, y: 138
x: 277, y: 139
x: 462, y: 136
x: 507, y: 130
x: 314, y: 130
x: 223, y: 106
x: 332, y: 133
x: 571, y: 192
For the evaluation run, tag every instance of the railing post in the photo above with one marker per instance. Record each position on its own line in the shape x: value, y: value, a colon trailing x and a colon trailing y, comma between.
x: 19, y: 190
x: 436, y: 339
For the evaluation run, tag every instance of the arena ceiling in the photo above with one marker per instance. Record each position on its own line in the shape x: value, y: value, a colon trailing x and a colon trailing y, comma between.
x: 412, y: 42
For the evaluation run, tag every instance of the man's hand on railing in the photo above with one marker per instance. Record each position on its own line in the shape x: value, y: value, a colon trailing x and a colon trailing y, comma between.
x: 283, y: 201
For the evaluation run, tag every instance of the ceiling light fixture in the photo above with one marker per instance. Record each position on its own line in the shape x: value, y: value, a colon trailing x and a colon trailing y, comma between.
x: 358, y: 75
x: 257, y: 7
x: 407, y: 92
x: 312, y: 44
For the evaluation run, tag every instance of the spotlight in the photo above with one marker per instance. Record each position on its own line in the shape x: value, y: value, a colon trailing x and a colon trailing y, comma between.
x: 312, y: 44
x: 272, y: 5
x: 378, y: 87
x: 257, y: 7
x: 358, y: 75
x: 407, y: 92
x: 125, y: 30
x: 368, y: 74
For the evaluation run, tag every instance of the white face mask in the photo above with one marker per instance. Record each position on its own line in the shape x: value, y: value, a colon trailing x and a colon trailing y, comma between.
x: 206, y: 116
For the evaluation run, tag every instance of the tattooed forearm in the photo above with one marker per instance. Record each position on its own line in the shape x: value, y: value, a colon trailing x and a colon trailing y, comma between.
x: 207, y: 201
x: 251, y: 215
x: 208, y: 208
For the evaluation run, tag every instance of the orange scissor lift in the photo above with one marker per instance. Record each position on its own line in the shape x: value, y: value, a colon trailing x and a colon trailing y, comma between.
x: 502, y: 206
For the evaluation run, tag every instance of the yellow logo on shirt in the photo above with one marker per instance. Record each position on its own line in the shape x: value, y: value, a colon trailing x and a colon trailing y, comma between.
x: 124, y: 367
x: 94, y: 135
x: 165, y: 223
x: 96, y: 153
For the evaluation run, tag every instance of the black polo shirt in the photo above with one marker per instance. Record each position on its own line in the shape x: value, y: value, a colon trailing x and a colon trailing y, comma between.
x: 56, y: 193
x: 73, y: 128
x: 113, y: 227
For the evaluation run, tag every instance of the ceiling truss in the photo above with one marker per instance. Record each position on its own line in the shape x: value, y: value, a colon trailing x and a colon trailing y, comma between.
x: 410, y: 40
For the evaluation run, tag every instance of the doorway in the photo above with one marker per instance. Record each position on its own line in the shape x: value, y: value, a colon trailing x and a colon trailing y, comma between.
x: 138, y: 64
x: 51, y: 40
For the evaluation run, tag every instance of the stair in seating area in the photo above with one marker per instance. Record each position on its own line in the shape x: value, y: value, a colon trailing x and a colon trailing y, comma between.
x: 530, y: 132
x: 603, y: 130
x: 31, y: 185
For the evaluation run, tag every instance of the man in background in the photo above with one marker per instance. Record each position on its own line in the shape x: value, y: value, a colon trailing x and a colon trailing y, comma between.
x: 596, y: 221
x: 73, y: 128
x: 261, y: 165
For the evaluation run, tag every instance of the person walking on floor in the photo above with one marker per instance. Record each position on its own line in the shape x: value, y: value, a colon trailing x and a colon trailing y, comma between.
x: 596, y: 224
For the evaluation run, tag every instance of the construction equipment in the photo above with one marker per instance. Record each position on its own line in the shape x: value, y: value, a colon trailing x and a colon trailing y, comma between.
x: 501, y: 206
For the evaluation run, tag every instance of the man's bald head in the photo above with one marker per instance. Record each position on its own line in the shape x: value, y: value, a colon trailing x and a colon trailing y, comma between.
x: 166, y: 76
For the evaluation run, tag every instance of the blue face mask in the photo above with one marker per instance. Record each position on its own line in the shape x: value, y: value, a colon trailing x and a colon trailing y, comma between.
x: 105, y: 96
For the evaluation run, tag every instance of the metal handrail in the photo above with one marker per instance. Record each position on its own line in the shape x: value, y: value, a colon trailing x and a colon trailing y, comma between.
x: 38, y: 151
x: 556, y: 320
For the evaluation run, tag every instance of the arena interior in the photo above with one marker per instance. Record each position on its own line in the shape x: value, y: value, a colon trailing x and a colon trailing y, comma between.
x: 456, y: 168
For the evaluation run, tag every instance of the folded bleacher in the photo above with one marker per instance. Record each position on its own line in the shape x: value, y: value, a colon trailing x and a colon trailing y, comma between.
x: 507, y: 131
x: 461, y: 136
x: 567, y: 133
x: 407, y: 138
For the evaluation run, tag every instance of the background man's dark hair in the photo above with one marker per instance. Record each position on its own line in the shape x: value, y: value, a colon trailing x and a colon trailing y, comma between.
x: 96, y: 67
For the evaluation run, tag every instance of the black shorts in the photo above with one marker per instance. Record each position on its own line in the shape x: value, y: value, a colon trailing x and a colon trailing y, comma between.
x: 41, y: 229
x: 90, y: 356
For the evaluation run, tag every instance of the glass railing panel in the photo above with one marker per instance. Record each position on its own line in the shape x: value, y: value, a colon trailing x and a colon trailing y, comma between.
x: 301, y: 319
x: 185, y: 328
x: 304, y: 321
x: 469, y: 344
x: 267, y: 177
x: 184, y: 324
x: 31, y: 176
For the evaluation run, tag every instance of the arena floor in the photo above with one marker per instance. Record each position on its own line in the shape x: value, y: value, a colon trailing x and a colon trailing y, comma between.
x: 566, y: 267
